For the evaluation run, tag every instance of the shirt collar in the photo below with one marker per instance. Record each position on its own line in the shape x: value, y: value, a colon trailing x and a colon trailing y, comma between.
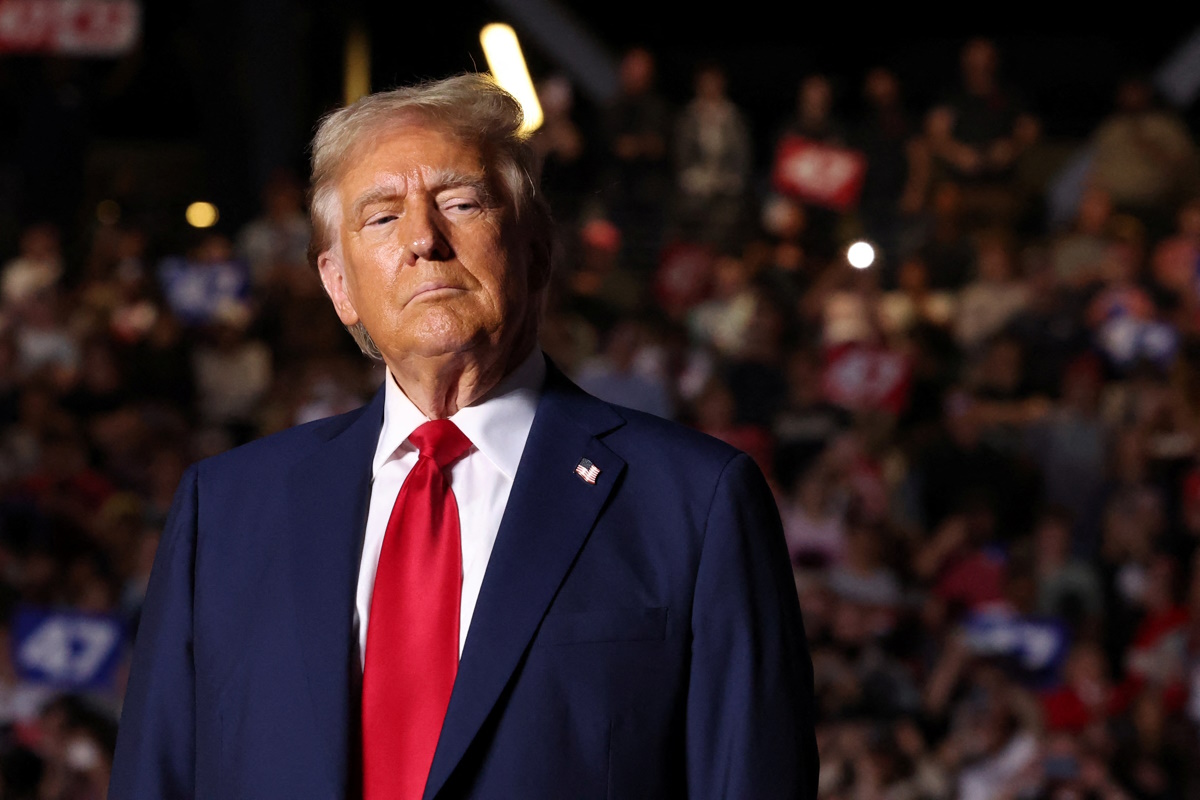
x: 497, y: 424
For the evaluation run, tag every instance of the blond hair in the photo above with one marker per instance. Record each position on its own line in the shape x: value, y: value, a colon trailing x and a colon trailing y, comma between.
x: 470, y: 107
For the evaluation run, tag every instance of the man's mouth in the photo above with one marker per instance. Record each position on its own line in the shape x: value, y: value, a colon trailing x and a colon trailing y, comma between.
x: 431, y: 289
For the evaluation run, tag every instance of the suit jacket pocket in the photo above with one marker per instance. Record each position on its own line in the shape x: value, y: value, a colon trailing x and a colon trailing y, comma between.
x: 604, y: 625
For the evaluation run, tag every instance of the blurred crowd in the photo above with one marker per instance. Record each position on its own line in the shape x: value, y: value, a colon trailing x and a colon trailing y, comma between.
x: 984, y: 444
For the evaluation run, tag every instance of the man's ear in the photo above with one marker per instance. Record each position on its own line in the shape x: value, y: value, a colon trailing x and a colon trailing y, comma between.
x: 333, y: 276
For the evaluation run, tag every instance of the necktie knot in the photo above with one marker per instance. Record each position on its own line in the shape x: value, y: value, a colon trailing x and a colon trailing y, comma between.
x: 441, y: 440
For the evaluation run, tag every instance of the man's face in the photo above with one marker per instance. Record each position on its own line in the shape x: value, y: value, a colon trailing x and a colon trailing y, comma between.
x: 425, y: 252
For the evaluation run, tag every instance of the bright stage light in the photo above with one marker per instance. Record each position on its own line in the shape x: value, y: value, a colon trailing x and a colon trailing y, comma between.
x: 860, y: 255
x: 202, y: 215
x: 507, y: 64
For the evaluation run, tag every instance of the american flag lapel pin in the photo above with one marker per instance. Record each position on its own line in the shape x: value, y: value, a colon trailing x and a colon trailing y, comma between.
x: 587, y: 470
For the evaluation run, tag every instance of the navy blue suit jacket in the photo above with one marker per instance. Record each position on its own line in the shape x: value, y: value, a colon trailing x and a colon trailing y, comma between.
x: 635, y: 638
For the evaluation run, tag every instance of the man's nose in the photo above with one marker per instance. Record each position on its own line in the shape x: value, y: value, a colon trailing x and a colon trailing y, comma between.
x: 424, y: 238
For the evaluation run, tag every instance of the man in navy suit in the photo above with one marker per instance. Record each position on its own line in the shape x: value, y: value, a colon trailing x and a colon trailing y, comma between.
x: 622, y: 619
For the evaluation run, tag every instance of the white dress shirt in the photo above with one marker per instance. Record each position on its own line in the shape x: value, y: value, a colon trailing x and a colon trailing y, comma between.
x: 497, y: 426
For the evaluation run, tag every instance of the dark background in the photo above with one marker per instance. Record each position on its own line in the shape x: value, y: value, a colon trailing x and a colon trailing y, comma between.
x: 221, y: 93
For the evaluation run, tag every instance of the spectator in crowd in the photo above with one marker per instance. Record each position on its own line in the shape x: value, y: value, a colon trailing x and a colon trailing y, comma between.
x: 723, y: 321
x: 998, y: 741
x: 566, y: 163
x: 1086, y: 697
x: 38, y: 265
x: 979, y: 132
x: 602, y: 287
x: 814, y: 121
x: 898, y: 165
x: 636, y: 182
x: 996, y: 295
x: 1070, y: 445
x: 1078, y: 254
x: 807, y: 422
x: 843, y: 306
x: 814, y: 518
x: 614, y: 375
x: 814, y: 117
x: 1143, y: 155
x: 716, y: 415
x: 963, y: 468
x: 275, y: 245
x: 713, y: 159
x: 1175, y: 268
x: 232, y: 373
x: 1067, y: 585
x: 788, y: 258
x: 44, y: 343
x: 946, y: 246
x: 863, y: 577
x: 913, y: 302
x: 1051, y: 330
x: 753, y: 372
x: 1153, y: 758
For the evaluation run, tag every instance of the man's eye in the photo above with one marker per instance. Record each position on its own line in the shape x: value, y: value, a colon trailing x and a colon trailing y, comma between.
x: 382, y: 220
x: 462, y: 205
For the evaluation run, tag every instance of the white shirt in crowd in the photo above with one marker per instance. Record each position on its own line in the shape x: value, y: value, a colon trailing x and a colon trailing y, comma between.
x: 497, y: 426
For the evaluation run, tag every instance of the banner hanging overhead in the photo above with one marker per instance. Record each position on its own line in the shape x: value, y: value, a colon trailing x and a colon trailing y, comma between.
x: 69, y: 27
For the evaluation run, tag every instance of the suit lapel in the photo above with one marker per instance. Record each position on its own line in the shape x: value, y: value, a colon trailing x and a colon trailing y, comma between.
x: 549, y: 515
x: 328, y: 510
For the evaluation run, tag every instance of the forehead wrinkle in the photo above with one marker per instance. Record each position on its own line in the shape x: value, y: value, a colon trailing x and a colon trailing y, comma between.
x: 389, y: 187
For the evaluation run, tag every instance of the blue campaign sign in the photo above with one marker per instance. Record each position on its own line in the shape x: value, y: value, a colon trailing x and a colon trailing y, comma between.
x: 67, y: 649
x: 1127, y: 340
x: 1036, y: 646
x: 199, y: 291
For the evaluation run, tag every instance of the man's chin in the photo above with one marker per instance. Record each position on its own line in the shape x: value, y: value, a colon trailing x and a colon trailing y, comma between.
x: 443, y: 347
x: 446, y: 338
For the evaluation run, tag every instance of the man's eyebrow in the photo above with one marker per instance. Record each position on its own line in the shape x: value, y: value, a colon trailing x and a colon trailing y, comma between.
x: 453, y: 179
x: 440, y: 182
x: 380, y: 194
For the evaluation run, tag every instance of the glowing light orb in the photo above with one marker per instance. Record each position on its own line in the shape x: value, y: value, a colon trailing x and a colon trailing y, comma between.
x: 202, y: 215
x: 860, y: 255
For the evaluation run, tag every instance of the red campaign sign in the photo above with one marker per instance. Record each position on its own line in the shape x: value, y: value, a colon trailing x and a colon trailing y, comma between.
x: 69, y: 27
x: 863, y: 377
x: 819, y: 173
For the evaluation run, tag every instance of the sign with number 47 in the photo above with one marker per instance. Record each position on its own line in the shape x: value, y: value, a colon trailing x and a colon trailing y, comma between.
x: 67, y: 649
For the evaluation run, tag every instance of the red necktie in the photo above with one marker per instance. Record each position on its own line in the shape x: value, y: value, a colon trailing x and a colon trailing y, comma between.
x: 412, y: 636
